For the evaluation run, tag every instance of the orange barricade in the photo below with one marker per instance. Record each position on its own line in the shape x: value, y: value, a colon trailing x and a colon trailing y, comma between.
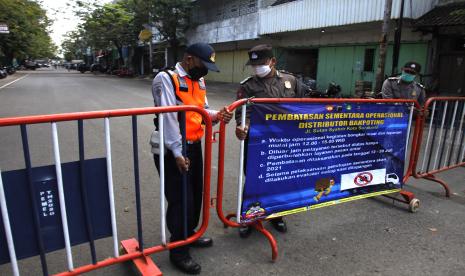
x: 134, y: 249
x: 444, y: 147
x: 406, y: 197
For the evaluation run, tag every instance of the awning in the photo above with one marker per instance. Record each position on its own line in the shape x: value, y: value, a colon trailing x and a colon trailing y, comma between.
x: 441, y: 16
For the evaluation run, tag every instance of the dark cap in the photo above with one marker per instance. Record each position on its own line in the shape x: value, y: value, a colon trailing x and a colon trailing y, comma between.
x: 205, y: 53
x: 259, y: 54
x: 412, y: 66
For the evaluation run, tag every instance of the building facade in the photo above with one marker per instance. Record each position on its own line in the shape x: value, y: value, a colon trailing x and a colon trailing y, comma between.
x: 328, y: 40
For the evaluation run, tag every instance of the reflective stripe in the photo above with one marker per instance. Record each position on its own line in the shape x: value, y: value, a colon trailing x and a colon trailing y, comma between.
x: 110, y: 188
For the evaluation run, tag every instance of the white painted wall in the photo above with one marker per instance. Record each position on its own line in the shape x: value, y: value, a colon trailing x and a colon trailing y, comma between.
x: 233, y: 29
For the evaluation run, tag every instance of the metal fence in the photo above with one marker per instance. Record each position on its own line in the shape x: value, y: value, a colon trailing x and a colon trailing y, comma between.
x: 136, y: 250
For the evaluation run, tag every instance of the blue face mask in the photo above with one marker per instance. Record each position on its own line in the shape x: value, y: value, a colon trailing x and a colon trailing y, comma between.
x: 407, y: 77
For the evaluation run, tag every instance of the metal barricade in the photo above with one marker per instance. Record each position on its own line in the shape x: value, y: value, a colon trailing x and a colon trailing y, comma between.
x: 136, y: 250
x: 443, y: 126
x: 405, y: 196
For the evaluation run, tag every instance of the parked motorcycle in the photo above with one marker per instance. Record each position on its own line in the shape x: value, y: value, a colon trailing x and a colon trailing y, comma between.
x: 333, y: 90
x: 83, y: 68
x: 3, y: 73
x: 10, y: 70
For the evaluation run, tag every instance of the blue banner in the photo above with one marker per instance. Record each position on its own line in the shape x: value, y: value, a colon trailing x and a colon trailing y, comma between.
x: 20, y: 210
x: 302, y: 156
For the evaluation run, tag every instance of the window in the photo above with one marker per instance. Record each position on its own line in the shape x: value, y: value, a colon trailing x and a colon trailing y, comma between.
x: 369, y: 61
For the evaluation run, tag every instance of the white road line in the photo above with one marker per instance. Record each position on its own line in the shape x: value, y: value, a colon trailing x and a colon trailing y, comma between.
x: 14, y: 81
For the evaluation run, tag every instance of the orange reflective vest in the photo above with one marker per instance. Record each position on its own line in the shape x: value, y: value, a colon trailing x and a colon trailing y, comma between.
x: 190, y: 92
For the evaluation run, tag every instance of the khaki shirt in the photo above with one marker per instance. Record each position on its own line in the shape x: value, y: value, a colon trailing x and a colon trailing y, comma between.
x: 282, y: 85
x: 394, y: 88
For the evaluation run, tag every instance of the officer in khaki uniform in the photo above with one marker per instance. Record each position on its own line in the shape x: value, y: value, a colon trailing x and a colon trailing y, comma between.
x: 405, y: 86
x: 266, y: 82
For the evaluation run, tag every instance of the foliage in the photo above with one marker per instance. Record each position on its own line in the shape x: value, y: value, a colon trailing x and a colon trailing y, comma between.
x: 103, y: 27
x: 171, y: 18
x: 74, y: 45
x: 29, y: 34
x: 119, y: 23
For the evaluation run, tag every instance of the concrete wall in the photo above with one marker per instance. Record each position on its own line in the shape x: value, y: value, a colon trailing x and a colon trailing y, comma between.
x: 353, y: 34
x: 232, y: 66
x: 233, y: 29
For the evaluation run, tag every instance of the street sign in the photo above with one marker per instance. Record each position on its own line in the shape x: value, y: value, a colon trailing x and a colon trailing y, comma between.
x: 4, y: 28
x: 145, y: 35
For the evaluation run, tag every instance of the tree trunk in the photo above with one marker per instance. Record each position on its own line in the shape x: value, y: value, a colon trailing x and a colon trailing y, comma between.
x: 174, y: 44
x: 120, y: 52
x: 383, y: 46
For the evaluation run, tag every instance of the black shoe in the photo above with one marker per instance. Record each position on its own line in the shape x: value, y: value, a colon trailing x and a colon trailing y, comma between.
x: 279, y: 224
x: 203, y: 242
x: 186, y: 265
x: 245, y: 231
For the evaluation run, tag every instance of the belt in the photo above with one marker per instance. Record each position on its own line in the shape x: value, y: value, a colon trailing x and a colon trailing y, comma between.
x: 194, y: 142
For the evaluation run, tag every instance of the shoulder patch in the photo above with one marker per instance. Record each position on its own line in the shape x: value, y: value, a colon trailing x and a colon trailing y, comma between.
x: 202, y: 84
x: 285, y: 72
x: 246, y: 80
x: 183, y: 87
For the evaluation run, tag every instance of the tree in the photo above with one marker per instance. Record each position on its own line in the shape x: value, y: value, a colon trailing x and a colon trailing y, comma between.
x: 109, y: 25
x: 74, y: 45
x: 171, y: 18
x: 29, y: 35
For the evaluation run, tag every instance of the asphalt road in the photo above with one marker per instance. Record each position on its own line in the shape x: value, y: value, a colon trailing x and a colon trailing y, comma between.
x: 365, y: 237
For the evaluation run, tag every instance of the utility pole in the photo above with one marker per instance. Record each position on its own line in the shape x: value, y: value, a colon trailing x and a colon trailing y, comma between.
x: 383, y: 45
x: 397, y: 41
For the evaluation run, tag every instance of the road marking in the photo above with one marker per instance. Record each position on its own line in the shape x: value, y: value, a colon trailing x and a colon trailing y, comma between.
x: 14, y: 81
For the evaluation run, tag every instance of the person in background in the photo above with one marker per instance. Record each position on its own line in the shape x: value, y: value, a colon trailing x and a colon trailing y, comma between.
x: 405, y: 86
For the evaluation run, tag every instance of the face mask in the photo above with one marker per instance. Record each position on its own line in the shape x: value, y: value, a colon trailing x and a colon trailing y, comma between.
x: 197, y: 72
x: 261, y: 71
x: 407, y: 77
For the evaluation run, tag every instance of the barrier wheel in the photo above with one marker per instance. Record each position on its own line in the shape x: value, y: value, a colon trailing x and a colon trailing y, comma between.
x: 414, y: 205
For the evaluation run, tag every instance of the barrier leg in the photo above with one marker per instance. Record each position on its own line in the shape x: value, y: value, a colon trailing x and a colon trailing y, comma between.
x: 258, y: 225
x: 274, y: 246
x: 144, y: 264
x: 229, y: 217
x: 407, y: 198
x: 431, y: 177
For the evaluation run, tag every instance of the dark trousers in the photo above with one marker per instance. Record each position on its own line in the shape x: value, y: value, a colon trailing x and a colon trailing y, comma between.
x: 173, y: 193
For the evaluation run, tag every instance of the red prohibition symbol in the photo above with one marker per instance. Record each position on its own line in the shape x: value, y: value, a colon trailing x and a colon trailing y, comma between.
x: 363, y: 179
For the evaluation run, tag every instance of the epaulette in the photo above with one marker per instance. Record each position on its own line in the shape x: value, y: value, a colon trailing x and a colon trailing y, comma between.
x: 393, y: 78
x: 246, y: 80
x: 286, y: 72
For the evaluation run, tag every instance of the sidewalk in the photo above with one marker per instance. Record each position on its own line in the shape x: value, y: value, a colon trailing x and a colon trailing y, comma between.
x: 11, y: 78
